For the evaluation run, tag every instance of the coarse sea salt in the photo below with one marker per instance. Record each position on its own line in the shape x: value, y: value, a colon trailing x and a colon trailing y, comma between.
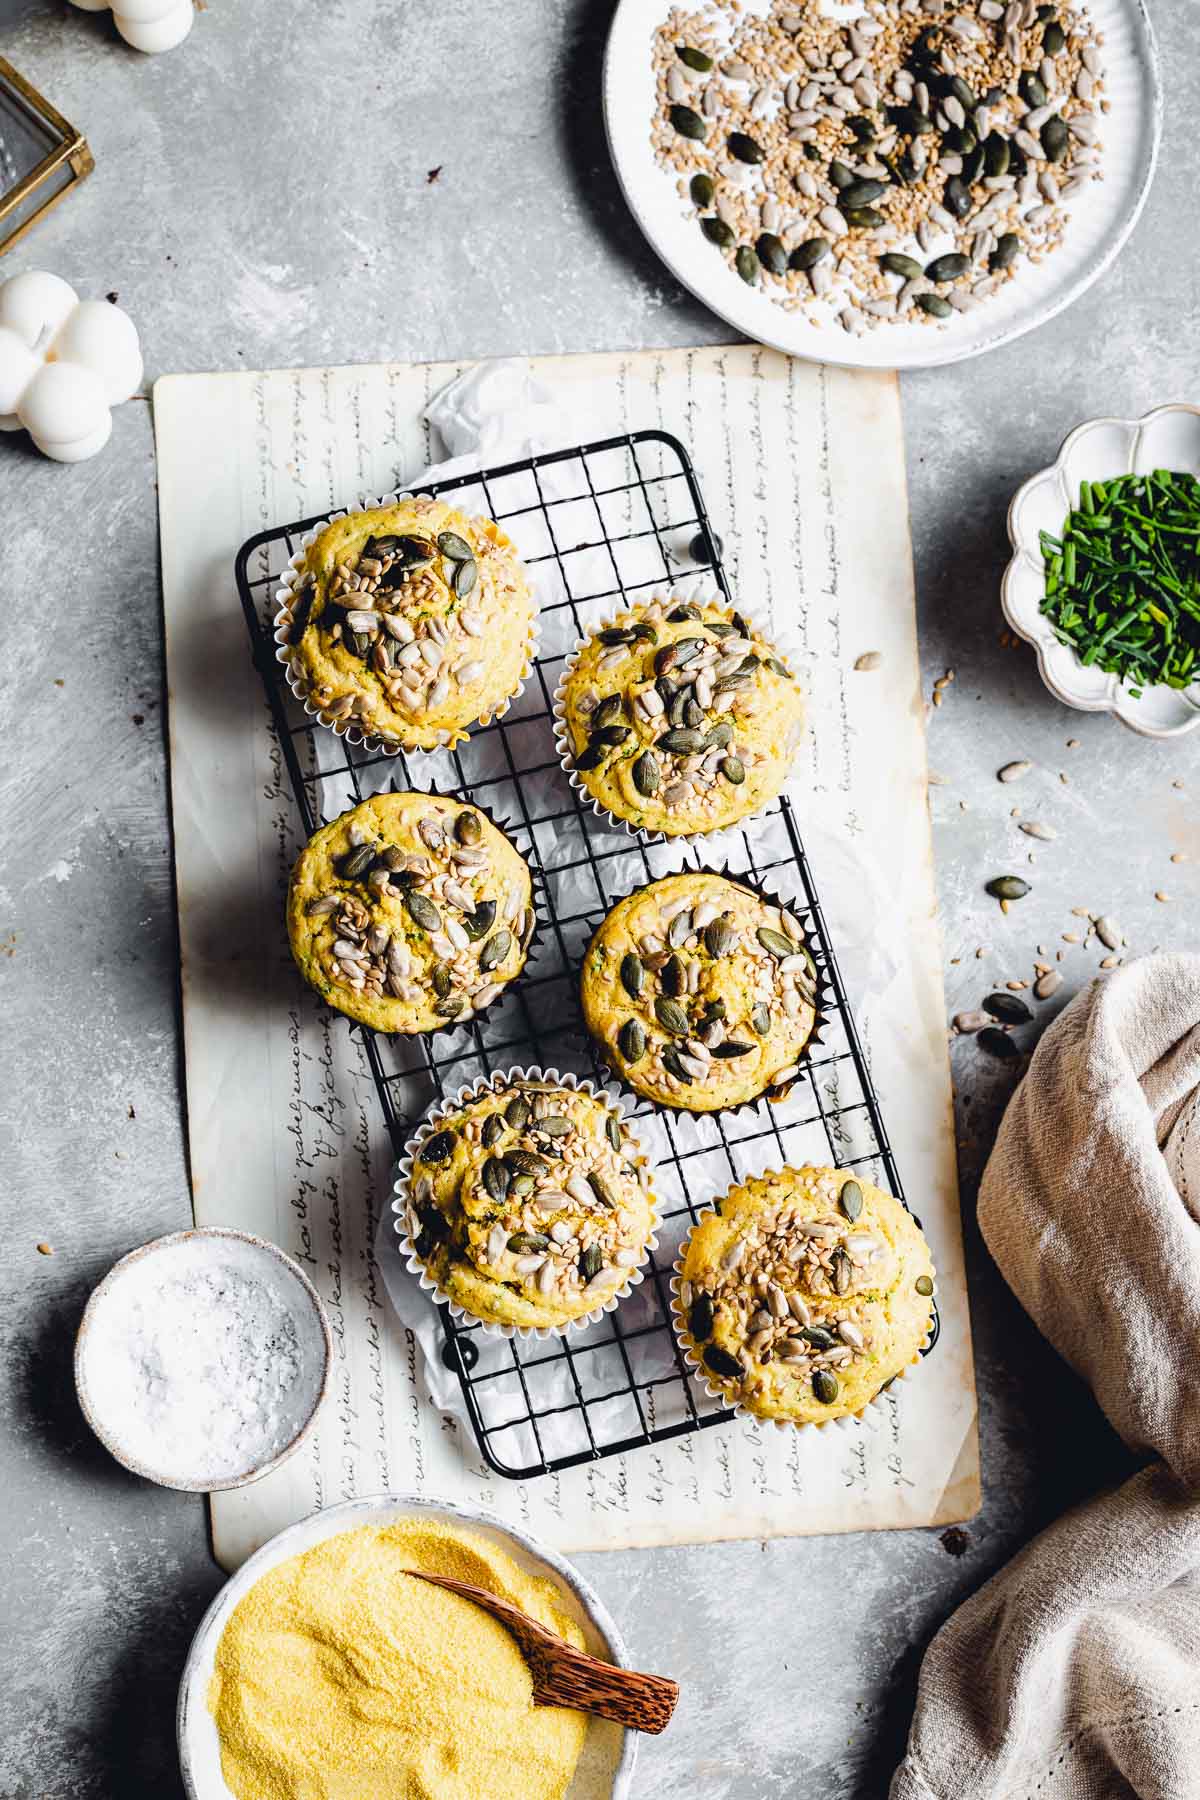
x: 203, y: 1359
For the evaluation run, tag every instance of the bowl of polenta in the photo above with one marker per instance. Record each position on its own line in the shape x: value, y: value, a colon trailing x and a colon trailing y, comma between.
x: 322, y: 1668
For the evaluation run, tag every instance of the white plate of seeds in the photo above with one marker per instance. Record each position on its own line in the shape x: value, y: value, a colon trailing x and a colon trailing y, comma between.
x: 997, y: 154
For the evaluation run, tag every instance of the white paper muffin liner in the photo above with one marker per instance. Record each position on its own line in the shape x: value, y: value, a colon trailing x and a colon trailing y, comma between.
x: 538, y: 905
x: 822, y: 1004
x: 285, y: 598
x: 495, y: 1083
x: 784, y: 647
x: 697, y: 1370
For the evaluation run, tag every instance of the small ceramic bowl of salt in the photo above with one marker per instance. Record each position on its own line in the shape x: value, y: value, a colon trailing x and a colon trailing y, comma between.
x: 202, y: 1359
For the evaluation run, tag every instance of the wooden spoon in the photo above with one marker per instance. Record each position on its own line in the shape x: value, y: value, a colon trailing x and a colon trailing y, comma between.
x: 564, y: 1676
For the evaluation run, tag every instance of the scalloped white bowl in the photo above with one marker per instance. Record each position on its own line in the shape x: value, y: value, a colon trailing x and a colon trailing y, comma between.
x: 1167, y: 438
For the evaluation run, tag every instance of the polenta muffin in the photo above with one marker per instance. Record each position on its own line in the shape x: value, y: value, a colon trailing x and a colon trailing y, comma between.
x: 410, y: 912
x: 679, y: 717
x: 804, y: 1293
x: 530, y: 1205
x: 700, y: 993
x: 411, y: 622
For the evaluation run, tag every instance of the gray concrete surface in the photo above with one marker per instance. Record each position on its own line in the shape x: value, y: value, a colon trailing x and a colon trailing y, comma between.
x: 262, y: 199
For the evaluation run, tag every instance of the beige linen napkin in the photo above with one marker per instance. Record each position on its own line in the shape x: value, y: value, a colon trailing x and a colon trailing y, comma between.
x: 1075, y: 1673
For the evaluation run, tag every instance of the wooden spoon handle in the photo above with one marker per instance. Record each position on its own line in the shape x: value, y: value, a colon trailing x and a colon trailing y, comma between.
x: 569, y: 1678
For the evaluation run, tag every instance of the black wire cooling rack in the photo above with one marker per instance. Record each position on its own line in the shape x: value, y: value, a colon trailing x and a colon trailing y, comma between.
x: 596, y: 526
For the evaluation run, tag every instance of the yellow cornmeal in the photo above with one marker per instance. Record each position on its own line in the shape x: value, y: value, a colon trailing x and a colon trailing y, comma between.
x: 680, y: 717
x: 410, y: 912
x: 531, y: 1205
x: 339, y: 1677
x: 389, y: 634
x: 804, y: 1293
x: 699, y: 993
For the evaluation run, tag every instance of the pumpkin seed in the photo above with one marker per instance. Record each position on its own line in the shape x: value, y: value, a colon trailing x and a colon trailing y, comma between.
x: 591, y: 1262
x: 612, y: 635
x: 860, y: 194
x: 702, y: 191
x: 555, y: 1125
x: 934, y: 305
x: 722, y: 1363
x: 818, y: 1337
x: 998, y: 1043
x: 679, y: 928
x: 672, y: 978
x: 948, y: 268
x: 357, y: 862
x: 525, y: 1242
x: 737, y: 683
x: 1031, y: 90
x: 719, y: 738
x: 956, y: 197
x: 733, y: 771
x: 776, y: 667
x: 611, y: 735
x: 674, y: 1065
x: 632, y: 1041
x: 688, y: 123
x: 864, y: 218
x: 731, y: 1048
x: 1007, y: 887
x: 613, y: 1133
x: 646, y: 774
x: 1054, y: 40
x: 700, y: 1317
x: 760, y: 1019
x: 602, y: 1191
x: 450, y: 1007
x: 699, y: 60
x: 1008, y: 1009
x: 415, y: 552
x: 1054, y: 136
x: 850, y: 1199
x: 681, y: 743
x: 746, y: 264
x: 771, y: 253
x: 455, y: 547
x: 841, y: 175
x: 525, y: 1162
x: 522, y: 1186
x: 895, y: 264
x: 924, y: 1285
x: 1006, y: 252
x: 633, y: 974
x: 825, y: 1386
x: 719, y: 938
x: 908, y: 120
x: 440, y: 976
x: 808, y: 254
x: 680, y: 615
x: 673, y: 656
x: 477, y: 924
x: 591, y: 756
x: 744, y: 148
x: 421, y: 908
x: 440, y: 1147
x: 497, y: 1177
x: 493, y: 1130
x: 495, y: 950
x: 468, y: 827
x: 671, y: 1016
x: 608, y: 712
x: 775, y: 942
x: 465, y: 576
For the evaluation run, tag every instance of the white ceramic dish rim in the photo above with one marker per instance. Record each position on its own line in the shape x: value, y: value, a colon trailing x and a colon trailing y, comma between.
x: 343, y: 1517
x: 749, y: 313
x: 474, y: 1090
x: 784, y: 647
x: 1116, y: 698
x: 285, y: 598
x: 112, y: 1444
x: 702, y: 1376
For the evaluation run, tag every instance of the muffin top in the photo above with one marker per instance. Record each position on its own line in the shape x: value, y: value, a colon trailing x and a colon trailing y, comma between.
x: 679, y: 717
x: 409, y: 912
x: 530, y: 1205
x: 804, y: 1293
x: 411, y: 621
x: 701, y: 994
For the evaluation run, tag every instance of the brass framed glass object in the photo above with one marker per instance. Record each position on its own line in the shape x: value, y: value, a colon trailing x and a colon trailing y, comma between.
x: 42, y: 157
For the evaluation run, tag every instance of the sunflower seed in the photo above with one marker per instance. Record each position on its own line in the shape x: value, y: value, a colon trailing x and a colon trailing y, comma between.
x: 1109, y: 932
x: 1013, y: 771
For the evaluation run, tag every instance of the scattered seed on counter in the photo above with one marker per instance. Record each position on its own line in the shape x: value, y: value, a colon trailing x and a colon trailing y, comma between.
x: 1072, y: 743
x: 1048, y: 984
x: 1034, y: 828
x: 869, y: 660
x: 1179, y: 856
x: 1111, y: 962
x: 1164, y: 898
x: 968, y: 1022
x: 1013, y: 771
x: 45, y: 1249
x: 1109, y: 932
